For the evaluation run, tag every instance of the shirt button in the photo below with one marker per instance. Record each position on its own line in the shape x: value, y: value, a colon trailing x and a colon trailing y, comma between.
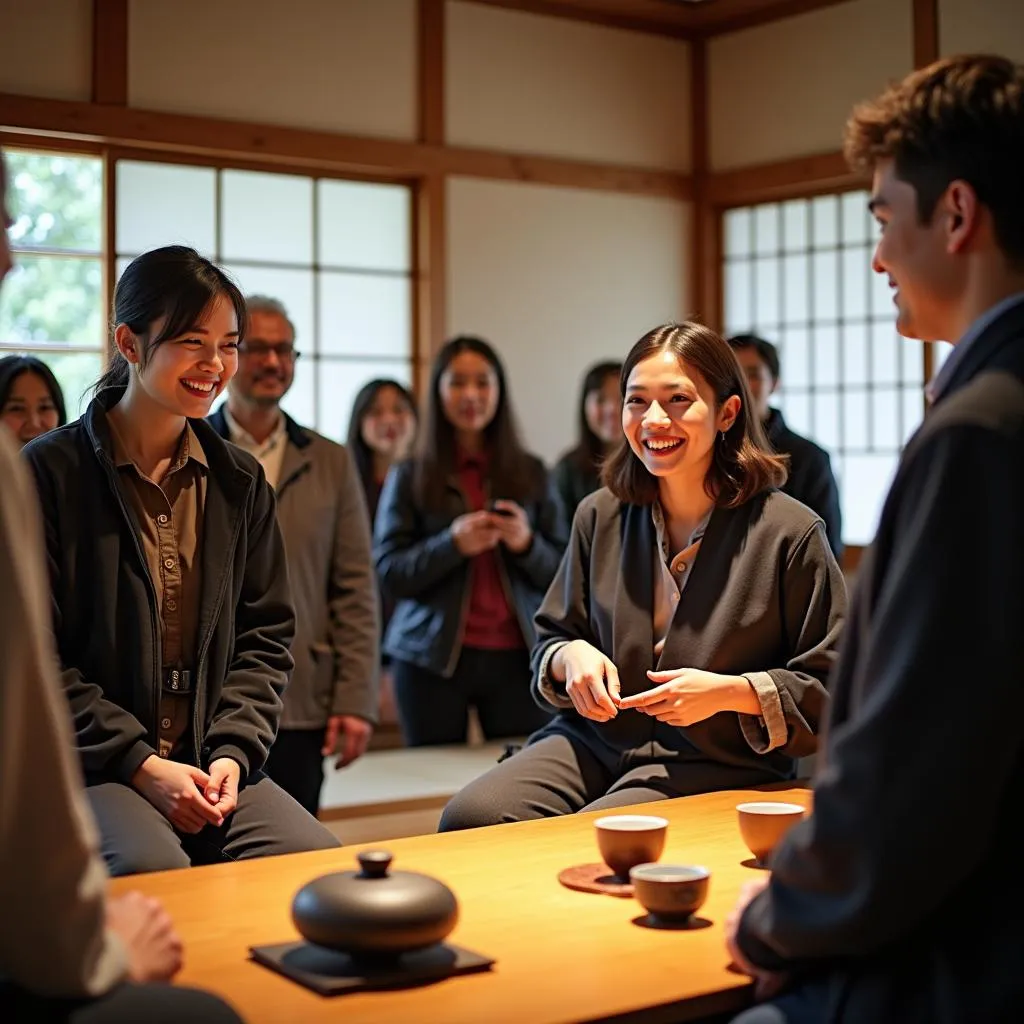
x: 168, y: 563
x: 162, y: 519
x: 172, y: 605
x: 165, y: 723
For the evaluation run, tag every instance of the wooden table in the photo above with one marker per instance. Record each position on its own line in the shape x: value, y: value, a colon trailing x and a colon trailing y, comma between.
x: 561, y: 955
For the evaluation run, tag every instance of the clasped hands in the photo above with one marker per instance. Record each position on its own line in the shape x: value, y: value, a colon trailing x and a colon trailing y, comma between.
x: 678, y: 697
x: 504, y: 523
x: 189, y: 798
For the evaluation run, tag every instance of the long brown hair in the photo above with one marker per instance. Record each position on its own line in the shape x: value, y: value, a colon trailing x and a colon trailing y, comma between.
x: 513, y: 473
x: 743, y: 464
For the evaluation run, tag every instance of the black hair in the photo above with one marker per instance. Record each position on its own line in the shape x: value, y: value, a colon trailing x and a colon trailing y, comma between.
x: 513, y: 472
x: 768, y: 353
x: 360, y: 450
x: 174, y: 283
x: 13, y: 367
x: 590, y: 449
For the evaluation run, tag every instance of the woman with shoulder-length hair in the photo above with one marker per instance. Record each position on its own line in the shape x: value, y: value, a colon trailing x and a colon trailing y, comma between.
x: 467, y: 539
x: 578, y: 472
x: 172, y: 612
x: 31, y: 400
x: 381, y: 431
x: 686, y: 640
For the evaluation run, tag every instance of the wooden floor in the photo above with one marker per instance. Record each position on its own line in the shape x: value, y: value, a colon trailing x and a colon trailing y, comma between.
x: 390, y: 794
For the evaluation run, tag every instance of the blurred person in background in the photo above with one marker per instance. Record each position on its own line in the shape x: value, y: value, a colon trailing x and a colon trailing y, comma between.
x: 468, y: 537
x: 381, y: 432
x: 811, y: 479
x: 578, y: 472
x: 31, y: 401
x: 331, y: 703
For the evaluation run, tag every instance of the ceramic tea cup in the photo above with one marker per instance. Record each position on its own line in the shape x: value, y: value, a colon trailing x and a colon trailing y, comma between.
x: 626, y: 840
x: 764, y: 822
x: 671, y: 893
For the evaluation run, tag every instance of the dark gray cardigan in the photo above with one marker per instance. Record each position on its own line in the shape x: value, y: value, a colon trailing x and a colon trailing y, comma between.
x: 765, y: 595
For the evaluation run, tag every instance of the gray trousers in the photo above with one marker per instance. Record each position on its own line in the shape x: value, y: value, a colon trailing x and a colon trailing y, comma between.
x: 559, y: 774
x: 136, y: 837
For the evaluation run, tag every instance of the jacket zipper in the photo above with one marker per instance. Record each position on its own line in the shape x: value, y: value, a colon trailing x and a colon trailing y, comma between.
x: 153, y: 615
x: 453, y: 658
x: 197, y: 737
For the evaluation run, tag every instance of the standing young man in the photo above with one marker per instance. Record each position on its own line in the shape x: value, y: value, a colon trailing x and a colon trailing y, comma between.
x: 331, y: 704
x: 900, y: 898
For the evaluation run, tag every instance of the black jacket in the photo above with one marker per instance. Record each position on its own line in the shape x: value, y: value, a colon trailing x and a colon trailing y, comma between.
x: 420, y: 568
x: 765, y: 598
x: 811, y: 479
x: 106, y: 618
x: 902, y: 893
x: 573, y: 479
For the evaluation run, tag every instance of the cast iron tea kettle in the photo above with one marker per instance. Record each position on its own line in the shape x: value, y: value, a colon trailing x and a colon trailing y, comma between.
x: 374, y: 913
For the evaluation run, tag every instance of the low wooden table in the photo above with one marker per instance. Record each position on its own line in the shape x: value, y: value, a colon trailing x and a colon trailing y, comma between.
x: 561, y: 955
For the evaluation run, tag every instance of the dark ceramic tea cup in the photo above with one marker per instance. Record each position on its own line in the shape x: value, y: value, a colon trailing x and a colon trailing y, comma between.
x: 626, y: 840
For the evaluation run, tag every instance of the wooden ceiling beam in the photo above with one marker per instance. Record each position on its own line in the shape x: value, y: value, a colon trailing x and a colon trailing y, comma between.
x: 269, y: 144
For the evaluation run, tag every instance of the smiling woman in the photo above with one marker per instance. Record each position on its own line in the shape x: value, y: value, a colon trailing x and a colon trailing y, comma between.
x: 690, y: 628
x: 174, y: 645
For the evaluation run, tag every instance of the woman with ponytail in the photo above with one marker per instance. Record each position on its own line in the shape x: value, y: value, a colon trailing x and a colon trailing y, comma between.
x: 171, y: 606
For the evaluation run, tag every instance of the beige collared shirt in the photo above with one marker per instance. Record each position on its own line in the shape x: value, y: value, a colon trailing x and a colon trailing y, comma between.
x: 269, y: 454
x: 170, y: 519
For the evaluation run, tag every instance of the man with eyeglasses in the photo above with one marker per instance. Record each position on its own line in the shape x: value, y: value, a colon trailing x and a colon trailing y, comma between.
x: 331, y: 704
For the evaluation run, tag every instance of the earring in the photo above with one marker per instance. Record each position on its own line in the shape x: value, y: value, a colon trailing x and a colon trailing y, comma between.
x: 723, y: 437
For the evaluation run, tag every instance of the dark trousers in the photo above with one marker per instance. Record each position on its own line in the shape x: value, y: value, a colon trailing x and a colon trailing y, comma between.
x: 559, y: 774
x: 297, y: 766
x: 135, y: 837
x: 433, y: 710
x: 126, y: 1004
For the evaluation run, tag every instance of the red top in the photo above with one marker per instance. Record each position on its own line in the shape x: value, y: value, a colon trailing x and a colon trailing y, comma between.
x: 491, y: 621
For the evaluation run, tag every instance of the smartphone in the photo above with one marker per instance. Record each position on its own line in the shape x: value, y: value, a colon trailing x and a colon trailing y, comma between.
x: 498, y: 511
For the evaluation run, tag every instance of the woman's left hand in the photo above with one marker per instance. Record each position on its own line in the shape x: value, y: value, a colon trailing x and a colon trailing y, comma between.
x: 222, y: 789
x: 685, y: 696
x: 513, y: 526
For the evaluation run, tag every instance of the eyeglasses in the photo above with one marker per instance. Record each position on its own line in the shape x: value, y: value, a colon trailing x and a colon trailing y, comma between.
x: 286, y: 351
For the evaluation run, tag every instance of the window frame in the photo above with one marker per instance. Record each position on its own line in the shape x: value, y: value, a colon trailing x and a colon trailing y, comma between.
x: 749, y: 191
x: 419, y: 187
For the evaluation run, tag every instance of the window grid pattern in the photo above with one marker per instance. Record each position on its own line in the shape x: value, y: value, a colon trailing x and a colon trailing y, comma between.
x: 353, y: 317
x: 799, y: 274
x: 52, y: 304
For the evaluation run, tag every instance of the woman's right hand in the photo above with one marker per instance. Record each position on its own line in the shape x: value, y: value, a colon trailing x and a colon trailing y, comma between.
x: 473, y: 533
x: 591, y: 680
x: 177, y: 791
x: 147, y: 933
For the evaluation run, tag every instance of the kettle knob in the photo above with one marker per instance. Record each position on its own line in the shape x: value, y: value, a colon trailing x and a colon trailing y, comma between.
x: 375, y: 863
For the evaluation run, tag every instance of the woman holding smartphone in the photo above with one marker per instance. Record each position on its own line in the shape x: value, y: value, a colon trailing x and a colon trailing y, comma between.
x: 172, y: 613
x: 686, y: 640
x: 467, y: 538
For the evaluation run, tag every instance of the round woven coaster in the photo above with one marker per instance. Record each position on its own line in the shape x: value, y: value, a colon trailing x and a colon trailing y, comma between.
x: 595, y: 878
